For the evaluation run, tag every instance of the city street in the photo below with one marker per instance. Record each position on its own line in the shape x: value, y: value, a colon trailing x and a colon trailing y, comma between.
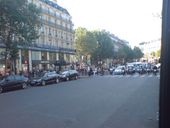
x: 90, y: 102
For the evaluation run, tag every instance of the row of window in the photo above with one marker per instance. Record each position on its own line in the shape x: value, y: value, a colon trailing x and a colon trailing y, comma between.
x: 56, y: 33
x: 52, y: 56
x: 56, y: 21
x: 53, y: 12
x: 50, y: 10
x: 54, y: 44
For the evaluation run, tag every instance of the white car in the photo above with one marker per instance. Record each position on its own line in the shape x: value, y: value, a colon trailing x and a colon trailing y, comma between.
x: 120, y: 70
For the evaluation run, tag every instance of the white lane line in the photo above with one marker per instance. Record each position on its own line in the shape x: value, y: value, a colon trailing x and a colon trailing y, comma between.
x: 135, y: 75
x: 143, y: 76
x: 150, y: 75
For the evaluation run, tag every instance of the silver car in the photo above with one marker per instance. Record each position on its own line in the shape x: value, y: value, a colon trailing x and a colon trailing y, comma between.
x: 120, y: 70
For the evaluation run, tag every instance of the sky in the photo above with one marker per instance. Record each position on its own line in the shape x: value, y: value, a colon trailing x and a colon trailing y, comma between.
x: 132, y: 20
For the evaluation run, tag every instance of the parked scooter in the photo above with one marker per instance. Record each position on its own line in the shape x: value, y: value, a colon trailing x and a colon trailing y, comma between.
x: 90, y: 72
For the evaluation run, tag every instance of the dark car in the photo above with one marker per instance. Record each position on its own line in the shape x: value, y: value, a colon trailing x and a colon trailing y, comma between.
x: 12, y: 82
x: 141, y: 70
x: 45, y: 78
x: 69, y: 75
x: 130, y: 69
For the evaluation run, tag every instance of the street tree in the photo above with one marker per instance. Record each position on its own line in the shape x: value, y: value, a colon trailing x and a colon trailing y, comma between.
x: 158, y: 53
x: 129, y: 53
x: 105, y: 48
x: 125, y: 53
x: 19, y: 24
x: 137, y: 53
x: 85, y: 43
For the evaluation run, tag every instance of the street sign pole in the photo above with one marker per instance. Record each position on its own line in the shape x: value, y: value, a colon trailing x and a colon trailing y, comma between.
x: 164, y: 104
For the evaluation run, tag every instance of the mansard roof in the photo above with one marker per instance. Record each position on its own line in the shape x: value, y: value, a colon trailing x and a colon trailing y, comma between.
x: 55, y: 5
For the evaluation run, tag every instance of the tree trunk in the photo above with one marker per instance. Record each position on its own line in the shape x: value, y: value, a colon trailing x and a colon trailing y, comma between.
x: 5, y: 61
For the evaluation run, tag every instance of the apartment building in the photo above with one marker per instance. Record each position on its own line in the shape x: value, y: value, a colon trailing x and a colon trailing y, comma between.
x: 150, y: 46
x: 118, y: 43
x: 56, y: 40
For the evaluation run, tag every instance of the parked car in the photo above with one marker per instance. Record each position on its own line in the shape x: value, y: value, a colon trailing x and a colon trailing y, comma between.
x: 120, y: 70
x: 111, y: 70
x: 69, y: 75
x: 12, y: 82
x: 130, y: 69
x: 45, y: 78
x: 141, y: 70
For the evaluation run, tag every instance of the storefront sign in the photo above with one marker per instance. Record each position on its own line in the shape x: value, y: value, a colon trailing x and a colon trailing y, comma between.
x: 45, y: 62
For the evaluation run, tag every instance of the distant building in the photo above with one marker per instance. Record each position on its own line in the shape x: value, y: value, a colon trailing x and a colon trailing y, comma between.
x: 118, y: 43
x: 150, y: 47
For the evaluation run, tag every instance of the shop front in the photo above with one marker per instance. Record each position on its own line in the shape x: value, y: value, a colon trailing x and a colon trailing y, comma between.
x: 25, y: 60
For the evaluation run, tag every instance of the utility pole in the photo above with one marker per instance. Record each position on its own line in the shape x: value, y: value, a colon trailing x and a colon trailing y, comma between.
x: 164, y: 104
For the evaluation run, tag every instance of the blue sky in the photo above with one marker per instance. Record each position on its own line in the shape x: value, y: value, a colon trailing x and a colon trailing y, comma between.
x: 131, y: 20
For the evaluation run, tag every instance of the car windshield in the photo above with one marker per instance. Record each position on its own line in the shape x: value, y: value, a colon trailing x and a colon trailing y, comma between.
x: 120, y: 67
x: 40, y: 75
x: 65, y: 72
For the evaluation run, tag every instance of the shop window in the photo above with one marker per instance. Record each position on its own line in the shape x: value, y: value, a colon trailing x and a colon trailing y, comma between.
x: 44, y: 56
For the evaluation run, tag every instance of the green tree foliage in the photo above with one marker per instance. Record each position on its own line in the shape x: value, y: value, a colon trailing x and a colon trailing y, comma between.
x: 105, y: 48
x: 158, y: 53
x: 137, y: 53
x: 153, y: 54
x: 19, y: 23
x: 124, y: 52
x: 96, y: 44
x: 99, y: 46
x: 85, y: 42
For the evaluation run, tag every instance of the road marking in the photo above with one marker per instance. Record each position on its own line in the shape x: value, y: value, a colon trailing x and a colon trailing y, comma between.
x: 128, y: 76
x: 158, y: 76
x: 133, y: 76
x: 120, y: 76
x: 150, y: 75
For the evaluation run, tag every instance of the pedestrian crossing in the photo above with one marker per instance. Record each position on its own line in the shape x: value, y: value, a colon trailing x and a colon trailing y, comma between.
x: 133, y: 76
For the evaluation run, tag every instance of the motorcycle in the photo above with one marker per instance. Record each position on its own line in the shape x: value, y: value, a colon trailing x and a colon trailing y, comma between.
x: 155, y: 71
x: 90, y: 72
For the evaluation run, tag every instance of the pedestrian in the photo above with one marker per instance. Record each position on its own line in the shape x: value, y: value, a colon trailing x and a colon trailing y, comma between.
x: 90, y: 72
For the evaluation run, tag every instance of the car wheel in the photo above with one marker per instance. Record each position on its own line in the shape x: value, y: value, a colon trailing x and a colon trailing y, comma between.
x: 1, y: 89
x: 43, y: 83
x: 57, y: 80
x: 24, y: 85
x: 67, y: 78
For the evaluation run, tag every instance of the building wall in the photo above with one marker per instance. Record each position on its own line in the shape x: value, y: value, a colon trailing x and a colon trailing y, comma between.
x: 150, y: 46
x: 56, y: 36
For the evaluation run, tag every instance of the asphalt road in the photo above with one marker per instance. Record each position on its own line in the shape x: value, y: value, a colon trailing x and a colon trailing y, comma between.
x: 95, y: 102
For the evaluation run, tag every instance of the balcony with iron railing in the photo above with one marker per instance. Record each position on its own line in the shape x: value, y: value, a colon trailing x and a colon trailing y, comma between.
x: 53, y: 14
x: 47, y: 47
x: 54, y: 25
